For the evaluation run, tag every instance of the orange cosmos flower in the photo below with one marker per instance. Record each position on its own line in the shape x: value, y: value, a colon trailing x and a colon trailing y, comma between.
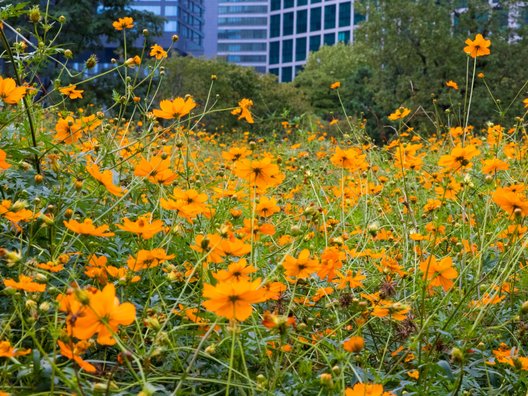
x: 349, y: 279
x: 73, y: 352
x: 399, y: 113
x: 243, y: 110
x: 439, y: 273
x: 144, y: 226
x: 25, y: 283
x: 513, y: 202
x: 452, y: 84
x: 525, y: 102
x: 123, y: 23
x: 148, y: 259
x: 6, y: 350
x: 176, y: 108
x: 301, y: 267
x: 105, y: 178
x: 9, y: 92
x: 494, y: 165
x: 102, y: 315
x: 266, y: 207
x: 68, y: 130
x: 236, y: 272
x: 477, y: 47
x: 188, y: 203
x: 158, y: 52
x: 354, y: 344
x: 236, y: 153
x: 459, y: 158
x: 397, y: 311
x: 361, y: 389
x: 87, y: 228
x: 352, y: 159
x: 335, y: 85
x: 156, y: 170
x: 260, y: 173
x: 232, y: 300
x: 71, y: 91
x: 3, y: 163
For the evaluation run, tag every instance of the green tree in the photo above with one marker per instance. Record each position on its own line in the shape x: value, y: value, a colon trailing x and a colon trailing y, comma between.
x: 273, y: 102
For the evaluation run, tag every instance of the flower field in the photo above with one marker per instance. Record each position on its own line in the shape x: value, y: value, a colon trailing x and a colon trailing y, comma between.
x: 142, y: 254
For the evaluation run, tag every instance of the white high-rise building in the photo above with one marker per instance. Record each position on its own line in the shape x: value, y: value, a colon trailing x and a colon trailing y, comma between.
x: 243, y: 32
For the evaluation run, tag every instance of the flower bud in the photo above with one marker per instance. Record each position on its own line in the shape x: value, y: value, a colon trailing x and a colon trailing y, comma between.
x: 68, y: 54
x: 34, y: 15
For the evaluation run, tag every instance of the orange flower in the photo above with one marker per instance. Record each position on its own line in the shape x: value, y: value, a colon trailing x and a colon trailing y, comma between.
x: 71, y: 91
x: 349, y: 279
x: 260, y: 173
x: 361, y: 389
x: 176, y: 108
x: 352, y: 159
x: 9, y: 92
x: 232, y: 300
x: 493, y: 165
x: 6, y: 350
x: 68, y: 130
x: 3, y: 164
x: 158, y: 52
x: 188, y: 203
x: 439, y: 273
x: 452, y: 84
x: 477, y: 47
x: 235, y: 153
x: 236, y: 272
x: 25, y: 283
x: 399, y: 113
x: 73, y: 354
x: 87, y: 228
x: 397, y: 311
x: 459, y: 158
x: 514, y: 203
x: 156, y: 169
x: 354, y: 344
x: 148, y: 259
x: 335, y: 85
x: 102, y: 315
x: 144, y: 226
x: 267, y: 207
x: 243, y: 110
x: 123, y: 23
x: 105, y: 178
x: 301, y: 267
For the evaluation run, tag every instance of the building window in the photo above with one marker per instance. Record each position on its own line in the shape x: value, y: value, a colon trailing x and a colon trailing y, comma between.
x: 288, y: 3
x: 251, y: 9
x: 286, y: 74
x: 315, y: 43
x: 171, y: 11
x: 246, y: 34
x: 302, y: 2
x: 315, y: 19
x: 345, y: 14
x: 274, y: 52
x: 246, y: 58
x: 302, y: 21
x: 358, y: 18
x: 274, y: 71
x: 298, y: 69
x: 287, y: 51
x: 275, y: 26
x: 330, y: 17
x: 275, y: 5
x: 315, y: 1
x: 287, y: 24
x: 343, y: 37
x: 300, y: 49
x: 329, y: 39
x: 242, y: 47
x: 171, y: 26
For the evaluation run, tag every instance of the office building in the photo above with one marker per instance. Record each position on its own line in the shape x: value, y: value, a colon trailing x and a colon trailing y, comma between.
x: 243, y: 32
x: 184, y: 18
x: 298, y: 27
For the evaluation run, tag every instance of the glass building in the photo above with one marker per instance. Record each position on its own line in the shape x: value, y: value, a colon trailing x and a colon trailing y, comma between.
x: 297, y: 27
x: 243, y: 32
x: 184, y: 18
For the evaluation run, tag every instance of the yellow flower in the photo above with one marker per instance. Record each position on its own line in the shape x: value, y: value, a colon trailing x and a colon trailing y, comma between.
x: 399, y: 113
x: 123, y: 23
x: 477, y: 47
x: 176, y: 108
